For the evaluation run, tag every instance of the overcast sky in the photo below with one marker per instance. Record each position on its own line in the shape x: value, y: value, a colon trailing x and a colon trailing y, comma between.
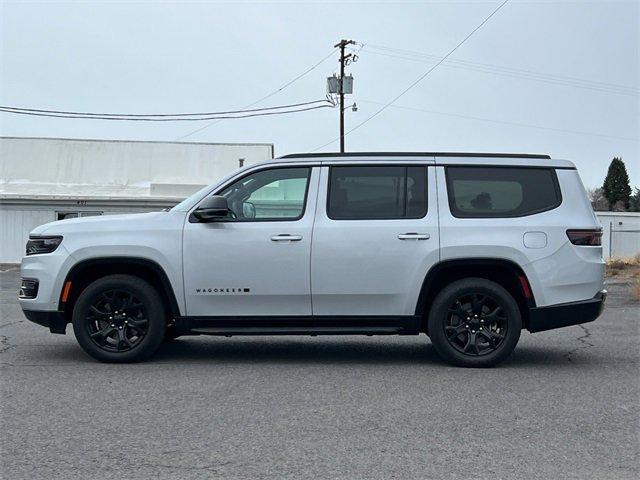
x: 142, y: 57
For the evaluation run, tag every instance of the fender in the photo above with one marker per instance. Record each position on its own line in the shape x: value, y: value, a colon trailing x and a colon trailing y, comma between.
x: 505, y: 272
x: 85, y: 271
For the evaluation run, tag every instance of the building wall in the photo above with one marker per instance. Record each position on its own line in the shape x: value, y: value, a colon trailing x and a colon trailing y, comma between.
x: 116, y: 168
x: 13, y: 225
x: 620, y: 233
x: 16, y: 221
x: 42, y: 176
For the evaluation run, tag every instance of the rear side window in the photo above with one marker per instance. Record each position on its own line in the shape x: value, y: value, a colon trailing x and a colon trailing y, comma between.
x: 501, y: 191
x: 377, y: 192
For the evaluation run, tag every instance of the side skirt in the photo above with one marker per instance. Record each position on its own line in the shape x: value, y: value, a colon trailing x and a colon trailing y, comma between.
x: 329, y: 325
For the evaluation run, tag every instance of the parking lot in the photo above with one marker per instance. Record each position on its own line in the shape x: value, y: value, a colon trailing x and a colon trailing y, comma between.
x: 564, y: 406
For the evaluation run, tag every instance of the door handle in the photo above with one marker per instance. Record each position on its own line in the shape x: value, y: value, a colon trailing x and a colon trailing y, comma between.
x: 285, y: 237
x: 414, y: 236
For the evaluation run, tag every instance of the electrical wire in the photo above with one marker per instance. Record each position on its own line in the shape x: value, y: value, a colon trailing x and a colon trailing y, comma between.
x: 504, y: 122
x: 180, y: 119
x: 419, y: 79
x: 136, y: 115
x: 269, y: 95
x: 245, y: 112
x: 516, y: 70
x: 516, y: 73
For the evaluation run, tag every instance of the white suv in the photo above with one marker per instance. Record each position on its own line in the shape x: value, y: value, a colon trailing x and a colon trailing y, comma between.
x: 467, y: 248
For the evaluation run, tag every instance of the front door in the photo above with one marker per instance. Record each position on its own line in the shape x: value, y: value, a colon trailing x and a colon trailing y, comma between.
x: 375, y: 237
x: 258, y: 263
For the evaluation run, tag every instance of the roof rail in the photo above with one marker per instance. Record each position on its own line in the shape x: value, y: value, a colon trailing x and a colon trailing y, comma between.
x: 416, y: 154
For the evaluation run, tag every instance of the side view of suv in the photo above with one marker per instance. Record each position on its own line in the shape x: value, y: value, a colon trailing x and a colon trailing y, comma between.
x: 468, y: 248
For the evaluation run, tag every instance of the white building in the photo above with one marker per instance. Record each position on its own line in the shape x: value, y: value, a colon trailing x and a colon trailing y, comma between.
x: 47, y: 179
x: 620, y: 233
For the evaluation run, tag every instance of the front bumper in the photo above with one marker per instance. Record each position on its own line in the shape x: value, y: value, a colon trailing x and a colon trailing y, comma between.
x: 566, y: 314
x: 56, y: 321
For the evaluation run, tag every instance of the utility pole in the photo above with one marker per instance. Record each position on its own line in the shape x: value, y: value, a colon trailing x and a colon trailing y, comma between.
x: 343, y: 59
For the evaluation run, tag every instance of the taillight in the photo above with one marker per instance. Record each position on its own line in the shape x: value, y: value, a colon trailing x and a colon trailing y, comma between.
x: 585, y: 237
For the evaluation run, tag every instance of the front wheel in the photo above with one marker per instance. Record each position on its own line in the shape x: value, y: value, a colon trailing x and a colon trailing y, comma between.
x: 119, y: 319
x: 474, y: 322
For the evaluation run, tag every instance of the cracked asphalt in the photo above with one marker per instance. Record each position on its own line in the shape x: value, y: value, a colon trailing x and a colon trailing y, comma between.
x: 565, y: 405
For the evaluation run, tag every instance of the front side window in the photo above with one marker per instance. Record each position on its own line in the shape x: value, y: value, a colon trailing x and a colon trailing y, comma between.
x: 377, y: 192
x: 501, y: 191
x: 275, y: 194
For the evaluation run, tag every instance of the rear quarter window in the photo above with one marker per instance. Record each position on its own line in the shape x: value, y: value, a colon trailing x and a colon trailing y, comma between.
x: 493, y: 192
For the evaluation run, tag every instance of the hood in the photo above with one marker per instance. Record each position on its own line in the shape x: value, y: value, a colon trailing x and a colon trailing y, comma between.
x: 99, y: 223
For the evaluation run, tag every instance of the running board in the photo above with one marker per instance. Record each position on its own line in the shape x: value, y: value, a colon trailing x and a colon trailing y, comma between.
x: 313, y: 331
x: 228, y: 326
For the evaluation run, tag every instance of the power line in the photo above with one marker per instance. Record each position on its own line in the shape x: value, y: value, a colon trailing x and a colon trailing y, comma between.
x: 421, y: 77
x: 179, y: 119
x: 451, y: 60
x: 11, y: 109
x: 504, y: 122
x: 269, y: 95
x: 517, y: 73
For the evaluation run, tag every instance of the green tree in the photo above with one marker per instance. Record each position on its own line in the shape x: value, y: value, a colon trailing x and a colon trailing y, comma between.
x: 616, y: 186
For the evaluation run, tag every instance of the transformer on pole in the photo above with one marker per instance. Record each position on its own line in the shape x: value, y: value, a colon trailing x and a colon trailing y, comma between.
x: 341, y: 85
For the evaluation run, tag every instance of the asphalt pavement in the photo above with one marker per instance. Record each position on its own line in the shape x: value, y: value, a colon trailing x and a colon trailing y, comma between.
x: 565, y: 405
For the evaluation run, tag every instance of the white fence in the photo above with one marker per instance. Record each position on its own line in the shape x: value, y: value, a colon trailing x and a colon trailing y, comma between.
x: 620, y: 233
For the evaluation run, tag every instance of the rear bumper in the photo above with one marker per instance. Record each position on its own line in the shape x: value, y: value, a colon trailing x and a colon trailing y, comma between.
x: 566, y: 314
x: 55, y: 321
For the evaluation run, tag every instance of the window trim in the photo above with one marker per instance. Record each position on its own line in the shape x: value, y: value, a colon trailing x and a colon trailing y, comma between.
x: 367, y: 165
x: 457, y: 213
x: 231, y: 181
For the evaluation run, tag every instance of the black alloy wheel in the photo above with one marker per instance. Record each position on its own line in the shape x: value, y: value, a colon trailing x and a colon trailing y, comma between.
x: 117, y: 321
x: 119, y: 318
x: 474, y: 322
x: 476, y: 325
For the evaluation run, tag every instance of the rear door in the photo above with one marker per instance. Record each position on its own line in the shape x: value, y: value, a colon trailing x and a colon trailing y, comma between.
x: 375, y: 237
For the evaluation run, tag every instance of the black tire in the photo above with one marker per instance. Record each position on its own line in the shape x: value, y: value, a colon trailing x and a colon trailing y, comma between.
x: 468, y: 336
x: 138, y: 316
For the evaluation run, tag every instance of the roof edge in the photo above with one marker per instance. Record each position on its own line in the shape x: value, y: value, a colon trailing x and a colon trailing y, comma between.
x: 416, y: 154
x: 106, y: 140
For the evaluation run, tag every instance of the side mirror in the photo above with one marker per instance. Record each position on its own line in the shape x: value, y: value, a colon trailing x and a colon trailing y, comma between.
x: 211, y: 209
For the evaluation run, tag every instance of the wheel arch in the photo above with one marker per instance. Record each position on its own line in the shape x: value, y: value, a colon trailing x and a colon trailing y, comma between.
x: 504, y: 272
x: 87, y: 271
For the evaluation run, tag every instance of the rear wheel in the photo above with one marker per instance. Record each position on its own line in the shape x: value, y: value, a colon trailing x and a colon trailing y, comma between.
x: 474, y: 323
x: 119, y: 318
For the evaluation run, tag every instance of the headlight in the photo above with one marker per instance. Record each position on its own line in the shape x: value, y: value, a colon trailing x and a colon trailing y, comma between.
x: 37, y: 245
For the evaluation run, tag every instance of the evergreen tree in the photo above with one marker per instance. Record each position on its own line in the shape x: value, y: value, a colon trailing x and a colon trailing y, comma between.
x: 616, y: 186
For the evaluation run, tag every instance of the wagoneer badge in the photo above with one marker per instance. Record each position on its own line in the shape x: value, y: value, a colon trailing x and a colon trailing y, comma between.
x: 221, y: 291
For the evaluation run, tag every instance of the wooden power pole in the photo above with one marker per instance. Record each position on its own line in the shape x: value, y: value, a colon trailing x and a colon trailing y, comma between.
x: 343, y: 59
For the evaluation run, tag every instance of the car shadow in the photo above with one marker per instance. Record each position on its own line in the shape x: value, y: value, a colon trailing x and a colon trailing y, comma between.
x: 291, y: 351
x: 303, y: 351
x: 295, y: 351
